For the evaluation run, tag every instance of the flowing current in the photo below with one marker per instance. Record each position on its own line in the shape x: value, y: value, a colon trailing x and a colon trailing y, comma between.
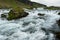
x: 32, y: 27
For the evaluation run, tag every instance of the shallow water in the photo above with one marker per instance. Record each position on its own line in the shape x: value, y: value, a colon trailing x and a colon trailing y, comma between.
x: 32, y: 27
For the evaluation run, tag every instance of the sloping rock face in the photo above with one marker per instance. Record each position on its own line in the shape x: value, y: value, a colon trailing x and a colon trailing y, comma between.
x: 31, y: 3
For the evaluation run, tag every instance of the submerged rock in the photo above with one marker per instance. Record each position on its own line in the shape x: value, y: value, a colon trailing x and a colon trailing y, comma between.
x: 41, y: 14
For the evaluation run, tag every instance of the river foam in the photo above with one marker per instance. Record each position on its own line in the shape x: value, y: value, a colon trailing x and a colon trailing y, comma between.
x: 32, y: 27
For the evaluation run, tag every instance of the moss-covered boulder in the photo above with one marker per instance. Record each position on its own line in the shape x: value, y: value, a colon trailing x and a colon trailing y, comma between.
x: 16, y: 15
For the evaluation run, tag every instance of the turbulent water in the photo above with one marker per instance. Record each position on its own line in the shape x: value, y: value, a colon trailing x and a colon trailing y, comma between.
x: 32, y: 27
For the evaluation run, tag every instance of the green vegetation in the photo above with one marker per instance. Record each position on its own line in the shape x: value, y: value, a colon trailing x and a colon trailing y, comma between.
x: 52, y: 8
x: 18, y: 4
x: 17, y: 7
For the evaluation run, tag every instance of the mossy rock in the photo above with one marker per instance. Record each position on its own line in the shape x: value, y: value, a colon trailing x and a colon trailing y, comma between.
x: 16, y: 15
x: 3, y: 16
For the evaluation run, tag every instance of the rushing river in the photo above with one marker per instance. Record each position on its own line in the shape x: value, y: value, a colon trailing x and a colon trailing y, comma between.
x: 32, y: 27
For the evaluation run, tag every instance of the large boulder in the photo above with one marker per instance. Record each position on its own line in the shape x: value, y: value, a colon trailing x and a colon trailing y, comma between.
x: 16, y: 15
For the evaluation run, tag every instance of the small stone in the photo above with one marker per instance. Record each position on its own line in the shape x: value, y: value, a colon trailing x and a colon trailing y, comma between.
x: 41, y: 14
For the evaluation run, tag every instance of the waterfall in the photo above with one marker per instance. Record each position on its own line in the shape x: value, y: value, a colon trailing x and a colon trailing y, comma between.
x: 32, y: 27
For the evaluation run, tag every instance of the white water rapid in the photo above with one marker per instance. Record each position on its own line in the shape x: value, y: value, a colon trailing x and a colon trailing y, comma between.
x: 32, y: 27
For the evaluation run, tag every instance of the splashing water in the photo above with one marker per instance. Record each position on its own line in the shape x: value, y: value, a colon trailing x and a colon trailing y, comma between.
x: 32, y: 27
